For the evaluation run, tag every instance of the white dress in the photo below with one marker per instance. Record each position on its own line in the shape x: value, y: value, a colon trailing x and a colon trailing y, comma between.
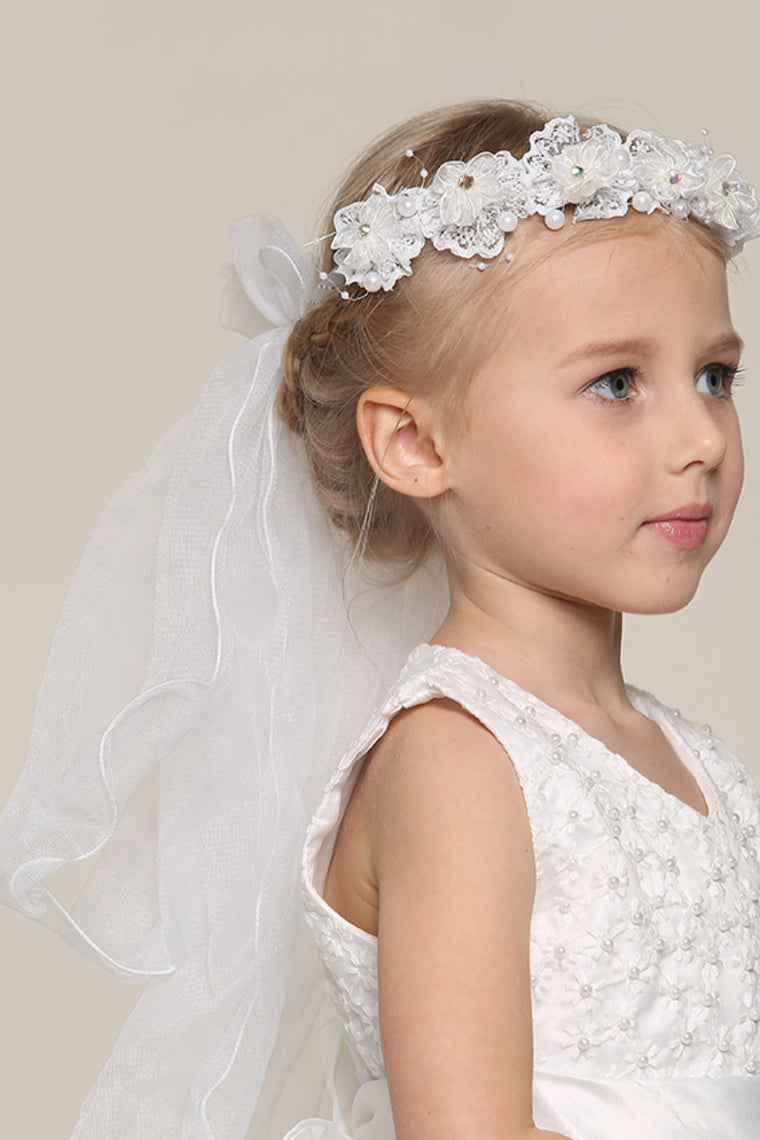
x: 645, y: 934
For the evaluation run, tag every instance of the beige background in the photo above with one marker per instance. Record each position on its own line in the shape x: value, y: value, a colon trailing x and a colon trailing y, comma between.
x: 132, y: 133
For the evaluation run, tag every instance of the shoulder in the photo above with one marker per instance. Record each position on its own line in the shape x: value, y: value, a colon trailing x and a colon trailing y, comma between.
x: 437, y: 780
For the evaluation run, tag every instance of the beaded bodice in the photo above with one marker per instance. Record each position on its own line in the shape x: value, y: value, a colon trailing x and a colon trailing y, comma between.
x: 645, y: 933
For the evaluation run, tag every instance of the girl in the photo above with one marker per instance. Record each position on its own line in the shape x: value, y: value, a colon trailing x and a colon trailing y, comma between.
x: 534, y: 891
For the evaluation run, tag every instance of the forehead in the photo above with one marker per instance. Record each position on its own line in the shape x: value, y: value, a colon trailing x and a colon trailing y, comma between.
x: 614, y: 279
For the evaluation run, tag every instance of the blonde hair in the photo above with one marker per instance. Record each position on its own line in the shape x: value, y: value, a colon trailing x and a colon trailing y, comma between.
x: 417, y: 336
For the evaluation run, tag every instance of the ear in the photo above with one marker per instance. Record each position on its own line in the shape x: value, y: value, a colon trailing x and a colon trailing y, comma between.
x: 401, y: 446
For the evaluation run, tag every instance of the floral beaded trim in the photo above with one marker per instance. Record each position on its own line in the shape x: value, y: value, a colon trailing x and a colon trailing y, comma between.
x: 469, y: 207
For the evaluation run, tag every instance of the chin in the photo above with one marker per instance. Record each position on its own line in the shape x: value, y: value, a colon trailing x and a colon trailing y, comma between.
x: 668, y: 602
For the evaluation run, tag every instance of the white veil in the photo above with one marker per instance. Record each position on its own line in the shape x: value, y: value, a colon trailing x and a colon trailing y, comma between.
x: 216, y: 654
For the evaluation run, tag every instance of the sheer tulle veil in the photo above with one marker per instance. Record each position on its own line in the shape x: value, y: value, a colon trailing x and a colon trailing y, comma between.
x: 217, y: 652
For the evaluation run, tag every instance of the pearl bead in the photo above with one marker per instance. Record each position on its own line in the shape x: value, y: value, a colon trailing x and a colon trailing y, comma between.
x: 622, y: 157
x: 583, y: 1043
x: 556, y: 739
x: 724, y: 1046
x: 660, y: 945
x: 624, y: 1023
x: 345, y: 294
x: 675, y: 993
x: 686, y: 1038
x: 639, y: 854
x: 613, y: 882
x: 670, y: 863
x: 642, y: 1061
x: 555, y: 219
x: 572, y: 814
x: 685, y: 942
x: 638, y: 917
x: 507, y: 221
x: 642, y: 201
x: 573, y: 737
x: 559, y: 952
x: 555, y: 758
x: 608, y: 945
x: 634, y: 973
x: 406, y: 205
x: 510, y: 256
x: 697, y: 909
x: 713, y: 957
x: 614, y: 813
x: 681, y: 210
x: 371, y: 281
x: 586, y: 990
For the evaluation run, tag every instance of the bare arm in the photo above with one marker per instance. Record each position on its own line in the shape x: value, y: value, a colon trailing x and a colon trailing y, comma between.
x: 449, y: 847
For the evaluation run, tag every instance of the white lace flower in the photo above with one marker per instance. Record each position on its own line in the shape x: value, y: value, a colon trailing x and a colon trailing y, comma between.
x: 374, y: 244
x: 465, y: 188
x: 591, y: 171
x: 470, y: 205
x: 664, y: 168
x: 727, y: 201
x: 582, y: 169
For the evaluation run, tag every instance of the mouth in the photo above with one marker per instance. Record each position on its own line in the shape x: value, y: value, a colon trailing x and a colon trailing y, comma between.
x: 685, y: 527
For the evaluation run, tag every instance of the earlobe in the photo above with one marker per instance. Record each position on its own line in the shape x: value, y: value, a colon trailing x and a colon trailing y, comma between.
x: 396, y: 434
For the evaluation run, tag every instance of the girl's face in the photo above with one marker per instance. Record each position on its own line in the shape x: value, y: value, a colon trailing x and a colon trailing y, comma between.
x: 600, y: 456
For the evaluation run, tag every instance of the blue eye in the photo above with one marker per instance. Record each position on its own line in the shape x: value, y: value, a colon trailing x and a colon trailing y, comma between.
x: 613, y: 385
x: 713, y: 380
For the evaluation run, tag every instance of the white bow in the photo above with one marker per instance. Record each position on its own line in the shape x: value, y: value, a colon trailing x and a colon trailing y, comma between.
x: 271, y: 282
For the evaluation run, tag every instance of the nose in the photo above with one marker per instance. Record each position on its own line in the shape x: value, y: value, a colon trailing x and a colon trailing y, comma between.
x: 695, y: 431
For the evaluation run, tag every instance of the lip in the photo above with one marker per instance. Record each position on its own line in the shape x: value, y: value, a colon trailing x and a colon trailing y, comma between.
x: 685, y: 527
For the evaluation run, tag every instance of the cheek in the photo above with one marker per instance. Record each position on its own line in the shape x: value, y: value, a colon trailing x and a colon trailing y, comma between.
x: 596, y: 481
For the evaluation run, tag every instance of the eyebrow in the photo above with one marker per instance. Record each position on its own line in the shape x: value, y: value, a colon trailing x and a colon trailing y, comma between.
x: 642, y: 346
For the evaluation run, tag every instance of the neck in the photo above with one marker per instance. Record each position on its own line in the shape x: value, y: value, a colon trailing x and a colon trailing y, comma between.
x: 563, y: 651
